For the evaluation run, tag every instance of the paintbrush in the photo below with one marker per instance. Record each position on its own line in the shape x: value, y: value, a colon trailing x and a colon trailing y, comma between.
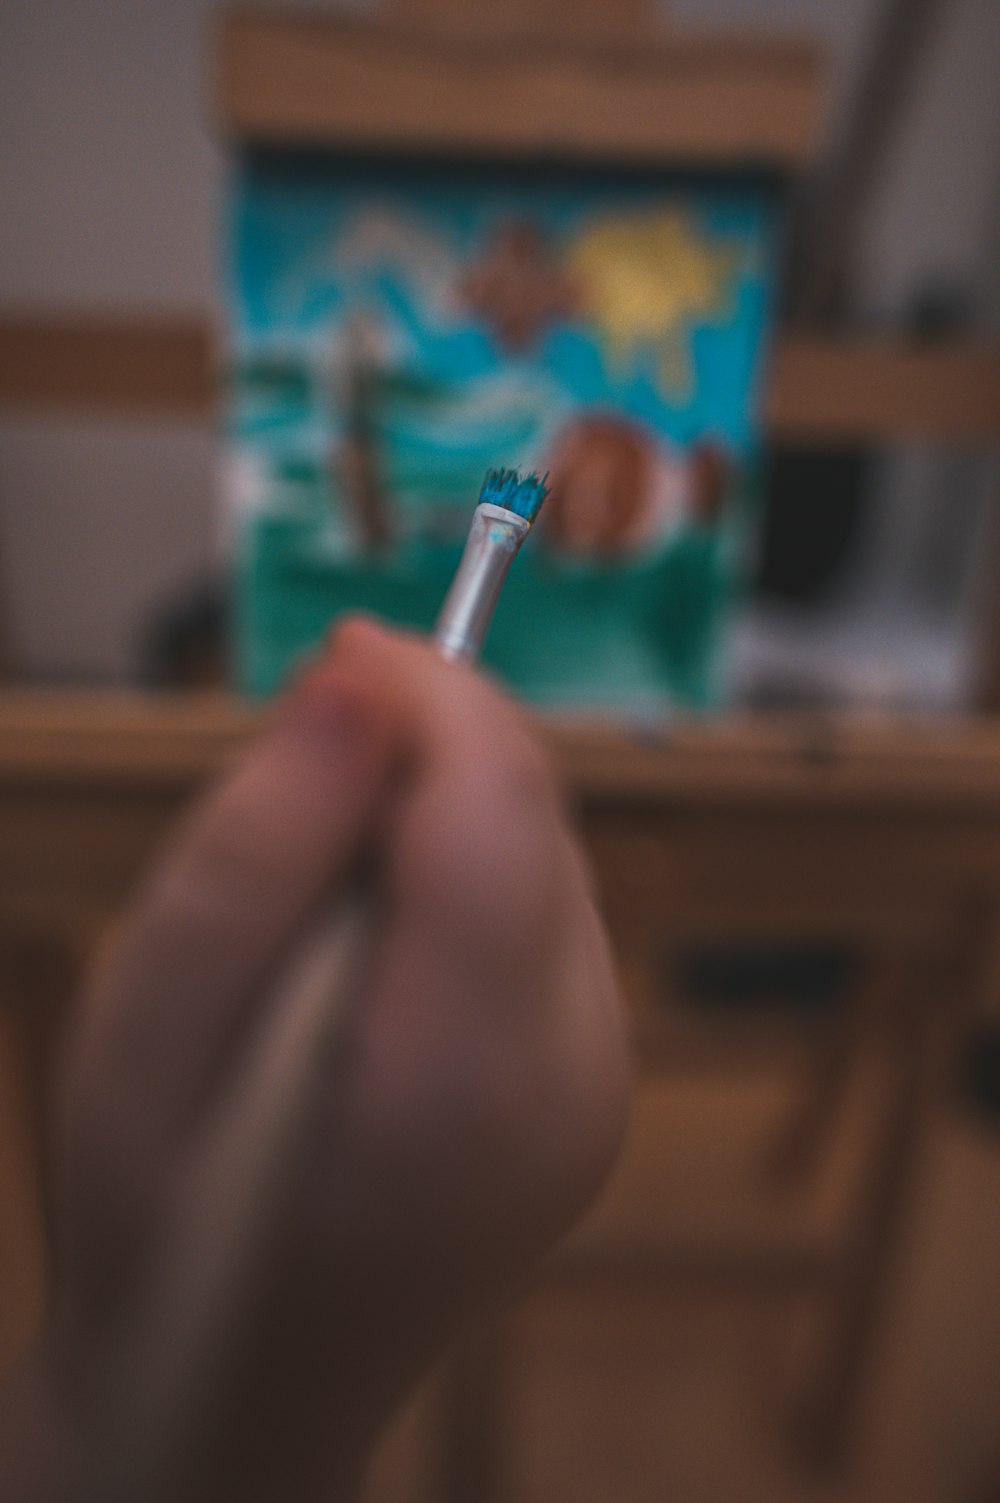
x: 208, y: 1273
x: 508, y: 505
x: 358, y: 456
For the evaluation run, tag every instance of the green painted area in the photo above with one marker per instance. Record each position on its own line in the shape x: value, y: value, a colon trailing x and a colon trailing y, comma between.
x: 581, y: 635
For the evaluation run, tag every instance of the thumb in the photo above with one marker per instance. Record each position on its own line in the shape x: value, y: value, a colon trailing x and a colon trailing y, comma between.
x: 216, y: 917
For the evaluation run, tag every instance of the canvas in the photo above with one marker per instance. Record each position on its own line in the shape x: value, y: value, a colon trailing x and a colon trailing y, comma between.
x: 396, y: 328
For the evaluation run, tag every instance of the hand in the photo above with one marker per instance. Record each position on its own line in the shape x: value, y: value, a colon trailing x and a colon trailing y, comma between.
x: 472, y: 1115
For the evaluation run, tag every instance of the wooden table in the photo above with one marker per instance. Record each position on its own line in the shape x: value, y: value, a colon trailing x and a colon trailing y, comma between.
x: 885, y: 835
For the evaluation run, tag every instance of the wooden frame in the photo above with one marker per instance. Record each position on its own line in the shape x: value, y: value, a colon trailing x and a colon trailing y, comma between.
x: 847, y: 391
x: 704, y: 101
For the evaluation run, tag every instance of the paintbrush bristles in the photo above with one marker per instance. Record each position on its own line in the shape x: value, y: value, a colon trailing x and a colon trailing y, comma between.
x: 521, y: 494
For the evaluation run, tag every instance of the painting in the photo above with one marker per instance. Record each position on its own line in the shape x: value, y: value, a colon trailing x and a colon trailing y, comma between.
x: 397, y: 328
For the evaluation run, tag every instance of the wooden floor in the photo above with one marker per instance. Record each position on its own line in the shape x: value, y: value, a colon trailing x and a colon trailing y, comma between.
x: 684, y: 1394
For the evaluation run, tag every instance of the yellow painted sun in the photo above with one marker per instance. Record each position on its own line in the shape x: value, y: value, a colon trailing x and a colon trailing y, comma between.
x: 643, y: 278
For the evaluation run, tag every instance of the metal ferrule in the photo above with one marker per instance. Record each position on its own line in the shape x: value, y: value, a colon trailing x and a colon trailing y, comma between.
x: 494, y: 538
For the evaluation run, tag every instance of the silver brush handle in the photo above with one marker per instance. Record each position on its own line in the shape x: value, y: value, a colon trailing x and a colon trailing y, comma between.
x: 494, y: 539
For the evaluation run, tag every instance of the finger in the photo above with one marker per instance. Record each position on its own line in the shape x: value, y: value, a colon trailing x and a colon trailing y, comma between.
x: 220, y: 911
x: 496, y: 963
x: 477, y: 828
x: 486, y: 888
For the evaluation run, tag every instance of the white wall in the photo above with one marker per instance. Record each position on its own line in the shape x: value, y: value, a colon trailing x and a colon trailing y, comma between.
x: 108, y: 174
x: 111, y: 183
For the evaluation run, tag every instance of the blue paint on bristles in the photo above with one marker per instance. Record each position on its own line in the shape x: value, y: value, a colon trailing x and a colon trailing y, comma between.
x: 521, y: 494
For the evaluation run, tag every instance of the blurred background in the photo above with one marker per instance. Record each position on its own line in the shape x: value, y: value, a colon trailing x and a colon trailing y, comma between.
x: 114, y: 178
x: 789, y: 1290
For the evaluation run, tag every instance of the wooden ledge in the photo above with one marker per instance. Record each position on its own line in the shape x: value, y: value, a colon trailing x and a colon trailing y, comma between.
x: 172, y: 742
x: 108, y: 364
x: 871, y: 390
x: 846, y: 391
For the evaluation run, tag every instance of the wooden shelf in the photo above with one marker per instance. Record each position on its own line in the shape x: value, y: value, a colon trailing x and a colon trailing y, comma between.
x: 346, y: 83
